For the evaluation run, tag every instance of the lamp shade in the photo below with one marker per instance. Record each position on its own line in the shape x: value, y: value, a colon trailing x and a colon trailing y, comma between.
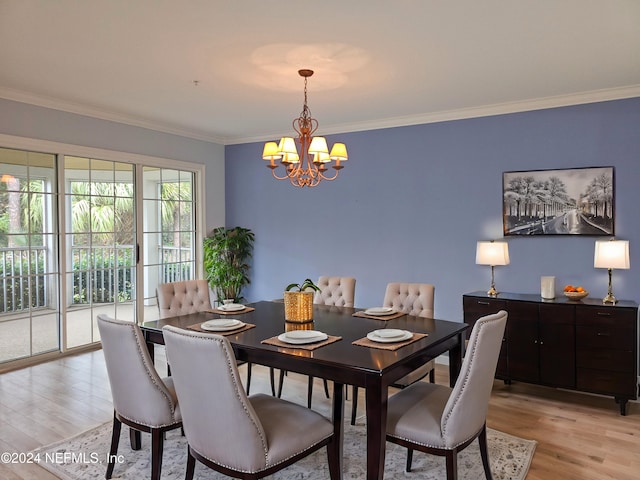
x: 339, y: 152
x: 611, y: 254
x: 318, y: 145
x: 287, y: 146
x: 270, y: 151
x: 492, y: 253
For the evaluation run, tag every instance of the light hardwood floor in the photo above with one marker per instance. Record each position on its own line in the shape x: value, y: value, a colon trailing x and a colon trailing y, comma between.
x: 580, y: 437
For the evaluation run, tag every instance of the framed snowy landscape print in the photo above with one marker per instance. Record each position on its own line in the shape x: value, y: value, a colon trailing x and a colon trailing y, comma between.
x: 576, y: 201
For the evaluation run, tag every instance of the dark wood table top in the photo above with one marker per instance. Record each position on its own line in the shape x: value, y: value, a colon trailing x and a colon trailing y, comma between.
x: 340, y: 356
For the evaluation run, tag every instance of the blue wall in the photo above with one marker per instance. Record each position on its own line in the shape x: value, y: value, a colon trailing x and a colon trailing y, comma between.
x: 412, y: 202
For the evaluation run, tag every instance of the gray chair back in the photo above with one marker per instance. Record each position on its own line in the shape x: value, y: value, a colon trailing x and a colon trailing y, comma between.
x: 138, y: 392
x: 336, y: 291
x: 411, y: 298
x: 183, y: 298
x: 466, y: 410
x: 218, y: 419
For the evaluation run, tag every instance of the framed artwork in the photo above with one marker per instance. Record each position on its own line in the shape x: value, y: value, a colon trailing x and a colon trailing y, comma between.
x: 575, y: 201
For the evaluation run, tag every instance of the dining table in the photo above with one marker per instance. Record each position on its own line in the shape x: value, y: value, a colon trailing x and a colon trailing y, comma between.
x: 345, y: 358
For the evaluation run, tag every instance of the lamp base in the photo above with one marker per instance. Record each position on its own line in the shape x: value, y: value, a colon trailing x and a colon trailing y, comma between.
x: 610, y: 299
x: 492, y: 292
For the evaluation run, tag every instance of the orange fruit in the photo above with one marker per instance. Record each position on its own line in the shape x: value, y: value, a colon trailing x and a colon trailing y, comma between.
x: 579, y: 289
x: 568, y: 288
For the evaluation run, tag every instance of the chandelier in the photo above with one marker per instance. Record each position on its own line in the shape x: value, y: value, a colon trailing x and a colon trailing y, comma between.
x: 310, y: 167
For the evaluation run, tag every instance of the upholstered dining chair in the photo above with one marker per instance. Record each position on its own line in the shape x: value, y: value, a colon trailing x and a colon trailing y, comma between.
x: 412, y: 299
x: 141, y: 399
x: 443, y: 421
x: 183, y: 298
x: 241, y: 436
x: 190, y: 296
x: 334, y: 291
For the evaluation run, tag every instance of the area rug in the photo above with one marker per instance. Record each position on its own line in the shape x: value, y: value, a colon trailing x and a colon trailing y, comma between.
x: 83, y: 458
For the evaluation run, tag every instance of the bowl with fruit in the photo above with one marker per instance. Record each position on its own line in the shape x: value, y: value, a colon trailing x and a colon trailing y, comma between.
x: 575, y: 293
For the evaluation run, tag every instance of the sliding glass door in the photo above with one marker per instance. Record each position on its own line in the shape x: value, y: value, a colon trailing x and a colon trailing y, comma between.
x: 29, y: 320
x: 81, y: 236
x: 100, y: 240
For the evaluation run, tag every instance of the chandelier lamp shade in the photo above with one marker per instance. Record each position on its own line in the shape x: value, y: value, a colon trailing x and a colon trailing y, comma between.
x: 310, y: 166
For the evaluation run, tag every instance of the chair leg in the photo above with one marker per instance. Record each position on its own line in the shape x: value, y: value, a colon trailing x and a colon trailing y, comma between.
x: 272, y: 380
x: 452, y: 464
x: 432, y: 375
x: 248, y: 377
x: 326, y: 388
x: 409, y: 459
x: 135, y: 439
x: 484, y: 453
x: 113, y: 451
x: 280, y: 383
x: 309, y: 391
x: 354, y: 405
x: 157, y: 444
x: 191, y: 465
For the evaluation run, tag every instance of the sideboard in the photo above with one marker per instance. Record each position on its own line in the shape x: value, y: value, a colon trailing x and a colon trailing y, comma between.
x: 580, y: 345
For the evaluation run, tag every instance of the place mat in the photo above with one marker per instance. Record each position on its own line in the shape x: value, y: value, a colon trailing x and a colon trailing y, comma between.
x: 235, y: 312
x: 198, y: 328
x: 379, y: 317
x: 306, y: 346
x: 365, y: 342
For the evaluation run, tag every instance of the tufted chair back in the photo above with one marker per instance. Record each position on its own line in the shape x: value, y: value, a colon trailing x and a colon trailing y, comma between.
x: 139, y: 394
x: 183, y: 298
x: 466, y: 410
x: 224, y: 427
x: 338, y: 291
x: 411, y: 298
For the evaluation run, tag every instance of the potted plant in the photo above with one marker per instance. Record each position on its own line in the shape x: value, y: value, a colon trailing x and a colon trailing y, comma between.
x: 227, y: 252
x: 298, y: 303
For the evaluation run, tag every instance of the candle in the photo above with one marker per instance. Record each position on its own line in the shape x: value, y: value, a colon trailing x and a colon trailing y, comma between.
x: 548, y: 287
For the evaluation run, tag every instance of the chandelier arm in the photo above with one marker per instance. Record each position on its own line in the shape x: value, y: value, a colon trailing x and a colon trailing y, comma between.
x: 273, y: 172
x: 329, y: 178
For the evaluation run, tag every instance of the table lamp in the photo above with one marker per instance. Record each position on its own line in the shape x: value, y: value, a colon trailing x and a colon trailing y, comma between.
x: 611, y: 254
x: 492, y: 253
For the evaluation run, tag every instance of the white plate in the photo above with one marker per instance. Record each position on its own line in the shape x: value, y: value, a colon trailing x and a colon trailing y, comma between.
x: 301, y: 334
x: 379, y: 311
x: 300, y: 341
x: 375, y: 338
x: 231, y: 307
x: 221, y: 325
x: 389, y: 333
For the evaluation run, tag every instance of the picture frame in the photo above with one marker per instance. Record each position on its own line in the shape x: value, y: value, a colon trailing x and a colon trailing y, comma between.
x: 573, y: 201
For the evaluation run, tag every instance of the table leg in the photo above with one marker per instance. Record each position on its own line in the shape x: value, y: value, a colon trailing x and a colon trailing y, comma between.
x: 152, y: 349
x: 455, y: 360
x: 376, y: 429
x: 335, y: 450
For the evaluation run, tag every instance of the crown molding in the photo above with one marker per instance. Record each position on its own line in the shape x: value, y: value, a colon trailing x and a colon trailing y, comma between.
x: 102, y: 114
x: 593, y: 96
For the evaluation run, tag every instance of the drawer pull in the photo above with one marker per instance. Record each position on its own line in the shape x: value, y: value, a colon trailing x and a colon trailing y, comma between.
x: 600, y: 334
x: 604, y: 314
x: 483, y: 303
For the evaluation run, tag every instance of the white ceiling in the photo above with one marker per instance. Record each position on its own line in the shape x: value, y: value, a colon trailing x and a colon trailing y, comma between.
x: 378, y: 63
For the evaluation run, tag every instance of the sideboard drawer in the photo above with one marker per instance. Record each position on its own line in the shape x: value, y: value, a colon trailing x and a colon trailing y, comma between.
x: 606, y: 316
x: 606, y: 359
x: 605, y: 336
x: 606, y: 382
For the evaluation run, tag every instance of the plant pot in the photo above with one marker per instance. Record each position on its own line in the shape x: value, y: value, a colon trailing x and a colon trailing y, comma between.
x: 298, y: 306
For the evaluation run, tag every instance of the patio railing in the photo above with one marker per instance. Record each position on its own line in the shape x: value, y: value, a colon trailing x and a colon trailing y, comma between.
x: 100, y: 274
x: 22, y: 279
